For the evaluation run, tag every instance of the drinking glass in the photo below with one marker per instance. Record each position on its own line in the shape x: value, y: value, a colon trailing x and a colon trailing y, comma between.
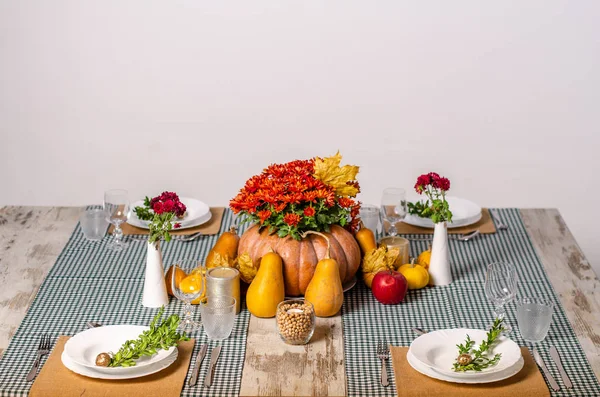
x: 369, y: 215
x: 534, y: 315
x: 393, y: 207
x: 188, y: 289
x: 116, y: 207
x: 501, y: 288
x: 218, y: 316
x: 93, y: 224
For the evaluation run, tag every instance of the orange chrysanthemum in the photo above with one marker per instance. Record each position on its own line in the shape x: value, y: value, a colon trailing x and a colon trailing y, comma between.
x: 288, y: 193
x: 292, y: 219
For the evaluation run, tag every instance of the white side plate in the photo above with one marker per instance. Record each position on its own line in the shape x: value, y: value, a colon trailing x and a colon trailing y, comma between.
x: 137, y: 373
x: 197, y: 214
x: 464, y: 213
x: 83, y: 348
x: 494, y: 377
x: 437, y: 350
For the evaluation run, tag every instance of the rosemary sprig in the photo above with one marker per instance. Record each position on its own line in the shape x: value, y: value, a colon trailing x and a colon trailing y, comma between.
x: 161, y: 335
x: 479, y: 358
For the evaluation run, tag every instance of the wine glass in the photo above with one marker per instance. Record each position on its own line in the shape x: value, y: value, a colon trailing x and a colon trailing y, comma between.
x: 116, y: 207
x: 188, y: 289
x: 393, y: 207
x: 501, y: 288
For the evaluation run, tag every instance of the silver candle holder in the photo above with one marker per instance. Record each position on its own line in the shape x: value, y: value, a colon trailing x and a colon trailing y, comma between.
x: 224, y: 281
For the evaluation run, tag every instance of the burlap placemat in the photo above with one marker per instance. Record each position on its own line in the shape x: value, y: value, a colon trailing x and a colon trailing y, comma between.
x: 211, y: 227
x: 55, y: 379
x: 485, y: 226
x: 411, y: 383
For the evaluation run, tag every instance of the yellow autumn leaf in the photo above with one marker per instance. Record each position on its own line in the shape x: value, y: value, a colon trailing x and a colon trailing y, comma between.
x: 377, y: 260
x: 246, y: 268
x: 328, y: 171
x: 219, y: 260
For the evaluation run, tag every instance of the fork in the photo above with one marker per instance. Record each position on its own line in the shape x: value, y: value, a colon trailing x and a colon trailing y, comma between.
x: 383, y: 353
x: 190, y: 237
x: 463, y: 237
x: 43, y: 349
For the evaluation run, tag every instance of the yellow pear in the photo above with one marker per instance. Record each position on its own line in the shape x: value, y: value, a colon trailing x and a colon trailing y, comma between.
x: 325, y: 290
x: 267, y: 289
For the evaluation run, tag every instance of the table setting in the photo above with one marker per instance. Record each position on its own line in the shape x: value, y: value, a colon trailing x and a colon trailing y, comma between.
x: 166, y: 295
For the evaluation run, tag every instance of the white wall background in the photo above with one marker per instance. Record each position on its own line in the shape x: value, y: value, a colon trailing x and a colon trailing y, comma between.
x: 196, y: 96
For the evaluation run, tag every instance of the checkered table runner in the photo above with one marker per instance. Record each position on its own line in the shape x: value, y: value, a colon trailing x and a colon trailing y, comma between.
x: 89, y: 282
x: 461, y: 304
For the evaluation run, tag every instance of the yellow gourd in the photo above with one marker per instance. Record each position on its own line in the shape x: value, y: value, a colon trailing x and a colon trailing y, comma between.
x: 325, y: 290
x: 416, y: 275
x: 366, y: 239
x: 424, y: 258
x: 267, y: 289
x: 225, y: 250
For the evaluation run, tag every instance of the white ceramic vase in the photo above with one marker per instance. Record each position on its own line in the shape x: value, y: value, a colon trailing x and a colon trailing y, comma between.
x: 439, y: 265
x: 155, y: 289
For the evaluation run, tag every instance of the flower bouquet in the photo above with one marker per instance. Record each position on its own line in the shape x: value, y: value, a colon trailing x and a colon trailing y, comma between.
x: 287, y: 200
x: 160, y: 211
x: 435, y: 207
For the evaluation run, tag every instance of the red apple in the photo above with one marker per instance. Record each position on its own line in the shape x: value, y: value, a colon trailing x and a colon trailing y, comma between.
x: 389, y: 287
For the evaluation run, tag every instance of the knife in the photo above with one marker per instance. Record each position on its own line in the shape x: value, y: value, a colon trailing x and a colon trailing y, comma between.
x: 563, y: 373
x: 199, y: 360
x: 214, y: 356
x: 540, y: 362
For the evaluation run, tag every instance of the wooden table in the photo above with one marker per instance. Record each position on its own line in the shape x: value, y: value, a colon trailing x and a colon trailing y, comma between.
x: 31, y: 238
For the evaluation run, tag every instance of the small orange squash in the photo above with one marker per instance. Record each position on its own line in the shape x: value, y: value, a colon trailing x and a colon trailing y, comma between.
x: 225, y: 250
x: 366, y: 239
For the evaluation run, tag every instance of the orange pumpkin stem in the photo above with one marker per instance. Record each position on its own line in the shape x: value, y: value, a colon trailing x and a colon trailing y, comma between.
x: 327, y: 256
x: 412, y: 262
x: 233, y: 229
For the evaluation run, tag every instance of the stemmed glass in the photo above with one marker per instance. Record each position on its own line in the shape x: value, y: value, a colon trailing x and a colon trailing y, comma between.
x: 393, y: 207
x: 501, y: 288
x: 116, y: 207
x: 188, y: 289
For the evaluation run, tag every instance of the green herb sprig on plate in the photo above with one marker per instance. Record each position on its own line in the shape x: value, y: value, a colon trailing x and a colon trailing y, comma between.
x: 161, y: 335
x: 470, y: 359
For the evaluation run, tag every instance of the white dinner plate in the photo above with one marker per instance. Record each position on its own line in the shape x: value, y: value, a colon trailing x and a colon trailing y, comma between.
x: 137, y: 372
x: 197, y: 213
x: 464, y: 213
x: 83, y: 348
x: 488, y: 378
x: 437, y: 350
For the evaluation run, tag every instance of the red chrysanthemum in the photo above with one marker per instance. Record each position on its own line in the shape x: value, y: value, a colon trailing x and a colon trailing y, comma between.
x: 292, y: 219
x: 177, y: 225
x: 158, y: 208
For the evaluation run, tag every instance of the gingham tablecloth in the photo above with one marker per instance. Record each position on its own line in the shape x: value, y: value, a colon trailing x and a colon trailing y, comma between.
x: 89, y: 282
x: 462, y: 304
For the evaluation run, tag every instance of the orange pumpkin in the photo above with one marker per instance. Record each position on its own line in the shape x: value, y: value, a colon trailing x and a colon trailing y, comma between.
x: 300, y: 258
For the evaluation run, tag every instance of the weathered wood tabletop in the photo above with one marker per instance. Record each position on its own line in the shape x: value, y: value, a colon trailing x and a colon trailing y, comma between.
x: 31, y: 238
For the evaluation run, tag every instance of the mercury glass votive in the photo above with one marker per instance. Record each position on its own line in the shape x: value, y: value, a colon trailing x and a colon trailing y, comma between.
x: 224, y: 281
x: 402, y: 244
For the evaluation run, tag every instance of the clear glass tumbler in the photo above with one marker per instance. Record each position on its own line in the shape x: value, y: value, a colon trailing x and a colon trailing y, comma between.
x: 218, y: 316
x: 93, y: 224
x: 369, y: 215
x: 534, y: 316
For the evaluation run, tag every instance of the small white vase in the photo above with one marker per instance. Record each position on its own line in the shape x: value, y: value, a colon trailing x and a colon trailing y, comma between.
x: 439, y: 265
x: 155, y: 289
